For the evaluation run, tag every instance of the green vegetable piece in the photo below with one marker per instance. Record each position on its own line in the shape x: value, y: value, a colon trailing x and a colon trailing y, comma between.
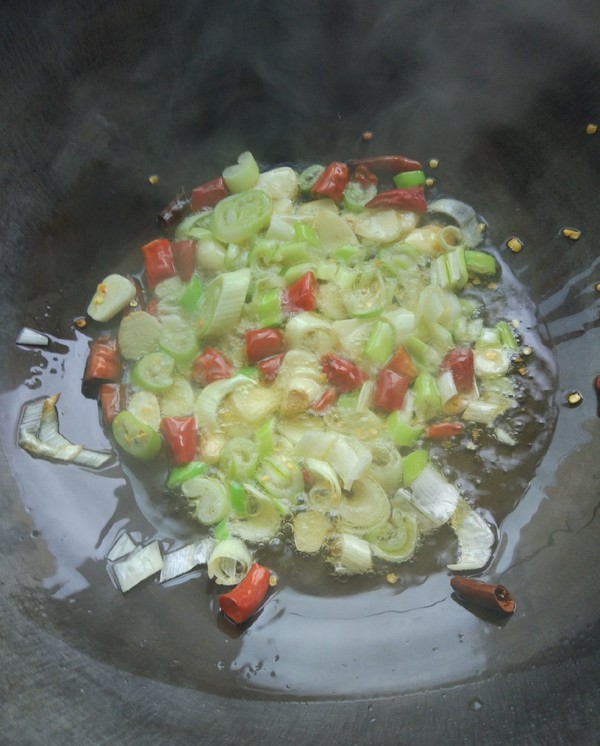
x: 309, y: 177
x: 294, y: 252
x: 427, y: 396
x: 506, y: 336
x: 408, y: 179
x: 268, y: 307
x: 356, y: 195
x: 306, y: 233
x: 243, y: 175
x: 237, y: 496
x: 265, y: 438
x: 154, y: 372
x: 222, y: 530
x: 347, y: 401
x: 180, y: 474
x: 348, y: 253
x: 135, y: 437
x: 296, y: 271
x: 381, y: 342
x: 195, y: 226
x: 413, y: 465
x: 480, y: 263
x: 250, y: 371
x: 401, y: 432
x: 191, y: 294
x: 179, y: 342
x: 241, y: 216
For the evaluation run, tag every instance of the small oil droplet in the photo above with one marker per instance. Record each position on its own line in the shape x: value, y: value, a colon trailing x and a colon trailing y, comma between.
x: 475, y: 704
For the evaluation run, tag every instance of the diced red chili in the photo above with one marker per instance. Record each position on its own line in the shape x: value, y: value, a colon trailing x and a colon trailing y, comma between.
x: 211, y: 365
x: 332, y: 182
x: 412, y: 199
x: 444, y: 430
x: 269, y: 367
x: 184, y: 258
x: 390, y: 163
x: 390, y: 390
x: 402, y: 363
x: 103, y: 363
x: 460, y: 362
x: 302, y: 294
x: 209, y: 194
x: 326, y: 399
x: 344, y: 375
x: 181, y: 438
x: 262, y: 343
x: 158, y: 261
x: 240, y: 603
x: 112, y: 400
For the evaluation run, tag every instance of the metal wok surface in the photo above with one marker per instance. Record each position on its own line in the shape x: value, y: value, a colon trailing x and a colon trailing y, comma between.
x: 97, y: 98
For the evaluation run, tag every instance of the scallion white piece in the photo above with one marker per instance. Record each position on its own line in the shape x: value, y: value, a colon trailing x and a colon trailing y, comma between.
x: 209, y: 400
x: 32, y: 338
x: 121, y: 547
x: 434, y: 496
x: 475, y: 539
x: 185, y: 559
x: 142, y: 563
x: 229, y: 562
x: 463, y: 215
x: 351, y: 555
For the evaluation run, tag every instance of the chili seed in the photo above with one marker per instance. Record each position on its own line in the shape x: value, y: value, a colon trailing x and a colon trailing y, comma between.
x: 598, y: 287
x: 81, y: 323
x: 153, y: 179
x: 592, y: 128
x: 515, y: 323
x: 514, y: 244
x: 367, y: 135
x: 574, y: 398
x: 572, y: 233
x: 527, y: 350
x: 429, y: 182
x: 133, y: 303
x: 392, y: 578
x: 433, y: 163
x: 481, y: 227
x: 272, y: 580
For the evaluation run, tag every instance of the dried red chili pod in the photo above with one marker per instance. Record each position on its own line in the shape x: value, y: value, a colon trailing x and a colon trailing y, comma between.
x: 174, y: 212
x: 240, y: 603
x: 103, y: 363
x: 390, y: 163
x: 412, y: 199
x: 489, y: 595
x: 112, y: 400
x: 332, y: 182
x: 209, y: 194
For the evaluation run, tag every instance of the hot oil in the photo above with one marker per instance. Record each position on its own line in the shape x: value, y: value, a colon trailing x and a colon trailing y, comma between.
x: 345, y: 628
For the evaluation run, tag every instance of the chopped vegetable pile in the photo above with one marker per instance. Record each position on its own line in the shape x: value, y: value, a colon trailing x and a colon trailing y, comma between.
x: 291, y: 352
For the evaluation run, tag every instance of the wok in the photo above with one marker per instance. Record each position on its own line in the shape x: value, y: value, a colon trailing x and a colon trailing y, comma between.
x: 98, y: 96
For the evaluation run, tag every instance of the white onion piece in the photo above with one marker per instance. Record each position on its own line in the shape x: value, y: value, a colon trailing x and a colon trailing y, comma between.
x: 122, y: 546
x: 351, y: 555
x: 142, y: 563
x: 38, y: 434
x: 475, y: 539
x: 280, y: 183
x: 350, y: 458
x: 462, y: 214
x: 229, y: 562
x: 112, y: 295
x: 32, y: 338
x: 311, y: 528
x: 210, y: 398
x: 365, y: 508
x: 186, y: 558
x: 434, y: 496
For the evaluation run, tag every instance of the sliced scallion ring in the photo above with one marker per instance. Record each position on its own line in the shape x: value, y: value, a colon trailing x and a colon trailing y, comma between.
x: 241, y: 216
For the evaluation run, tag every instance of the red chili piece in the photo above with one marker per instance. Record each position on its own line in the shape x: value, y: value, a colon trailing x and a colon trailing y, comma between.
x: 184, y: 258
x: 269, y: 367
x: 262, y: 343
x: 302, y: 294
x: 139, y: 297
x: 402, y: 364
x: 174, y: 211
x: 490, y: 595
x: 332, y: 182
x: 460, y: 362
x: 364, y: 175
x: 181, y: 438
x: 412, y: 199
x: 209, y: 194
x: 211, y: 366
x: 390, y: 390
x: 240, y: 603
x: 158, y: 261
x: 389, y: 163
x: 103, y: 363
x: 342, y: 374
x: 326, y: 399
x: 112, y: 398
x: 152, y: 307
x: 444, y: 430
